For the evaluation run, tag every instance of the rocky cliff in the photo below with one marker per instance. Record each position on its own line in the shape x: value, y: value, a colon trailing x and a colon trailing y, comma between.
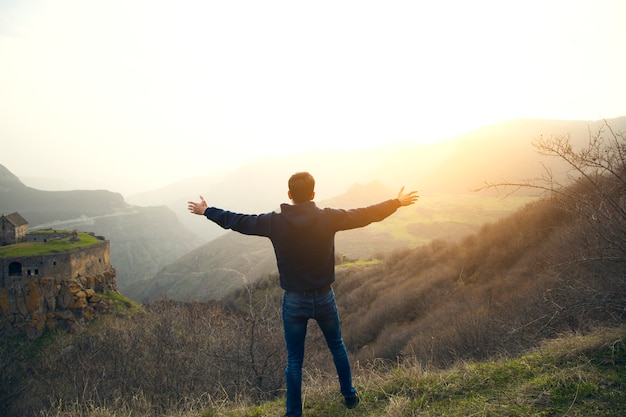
x: 47, y: 303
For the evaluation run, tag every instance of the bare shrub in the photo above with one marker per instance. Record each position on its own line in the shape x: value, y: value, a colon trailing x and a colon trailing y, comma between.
x: 594, y: 190
x: 177, y: 356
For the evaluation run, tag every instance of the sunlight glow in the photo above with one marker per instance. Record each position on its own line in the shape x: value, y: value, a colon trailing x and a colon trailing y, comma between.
x: 169, y: 89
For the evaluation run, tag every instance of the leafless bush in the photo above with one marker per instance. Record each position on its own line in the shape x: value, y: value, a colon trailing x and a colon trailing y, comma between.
x: 585, y: 268
x: 176, y: 356
x: 594, y: 189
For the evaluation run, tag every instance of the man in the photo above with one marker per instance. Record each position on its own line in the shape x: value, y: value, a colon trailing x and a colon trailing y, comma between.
x: 303, y: 240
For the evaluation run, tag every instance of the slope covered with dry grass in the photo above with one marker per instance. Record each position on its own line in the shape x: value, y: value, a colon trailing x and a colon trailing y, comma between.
x: 519, y: 280
x: 409, y: 321
x: 572, y: 375
x: 524, y: 317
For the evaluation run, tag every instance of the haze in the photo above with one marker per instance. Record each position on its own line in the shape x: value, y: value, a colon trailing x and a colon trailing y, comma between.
x: 134, y: 95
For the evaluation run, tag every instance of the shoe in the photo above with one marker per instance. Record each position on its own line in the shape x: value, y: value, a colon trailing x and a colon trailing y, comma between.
x: 352, y: 402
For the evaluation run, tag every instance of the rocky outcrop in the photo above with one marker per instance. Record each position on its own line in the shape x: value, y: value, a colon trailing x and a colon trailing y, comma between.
x: 43, y: 303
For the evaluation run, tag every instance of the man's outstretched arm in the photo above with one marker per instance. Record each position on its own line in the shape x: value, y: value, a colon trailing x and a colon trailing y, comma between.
x: 360, y: 217
x: 248, y: 224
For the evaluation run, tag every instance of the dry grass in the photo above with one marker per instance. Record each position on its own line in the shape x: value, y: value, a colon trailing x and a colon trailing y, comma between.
x: 441, y: 330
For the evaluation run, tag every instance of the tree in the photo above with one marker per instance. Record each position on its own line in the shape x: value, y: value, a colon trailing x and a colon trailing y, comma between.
x: 594, y: 189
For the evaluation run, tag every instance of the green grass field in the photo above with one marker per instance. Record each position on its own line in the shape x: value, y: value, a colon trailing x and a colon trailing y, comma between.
x: 45, y: 248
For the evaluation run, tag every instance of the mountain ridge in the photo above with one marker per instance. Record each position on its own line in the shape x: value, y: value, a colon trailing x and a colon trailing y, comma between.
x: 458, y: 164
x: 453, y: 167
x: 138, y: 248
x: 450, y: 170
x: 441, y: 320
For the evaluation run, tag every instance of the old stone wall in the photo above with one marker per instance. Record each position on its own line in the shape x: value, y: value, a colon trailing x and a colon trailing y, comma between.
x: 58, y: 290
x: 90, y: 260
x: 48, y: 303
x: 84, y: 261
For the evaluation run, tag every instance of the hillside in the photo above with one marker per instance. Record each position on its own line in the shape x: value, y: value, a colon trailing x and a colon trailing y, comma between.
x: 573, y: 375
x: 143, y: 239
x: 525, y: 277
x: 491, y: 301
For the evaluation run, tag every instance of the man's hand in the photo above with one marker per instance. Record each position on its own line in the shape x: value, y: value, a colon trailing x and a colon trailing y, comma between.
x: 197, y: 208
x: 408, y: 198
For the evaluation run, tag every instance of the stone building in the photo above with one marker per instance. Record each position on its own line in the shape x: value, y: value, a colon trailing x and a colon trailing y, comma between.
x: 91, y: 260
x: 13, y: 229
x: 50, y: 289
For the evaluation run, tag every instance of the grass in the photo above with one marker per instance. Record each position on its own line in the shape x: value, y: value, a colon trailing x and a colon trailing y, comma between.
x: 45, y: 248
x: 472, y: 209
x: 572, y: 376
x: 576, y: 375
x: 123, y: 304
x: 475, y: 208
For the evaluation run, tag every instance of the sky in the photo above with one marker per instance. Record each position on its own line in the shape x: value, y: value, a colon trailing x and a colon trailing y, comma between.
x: 133, y: 95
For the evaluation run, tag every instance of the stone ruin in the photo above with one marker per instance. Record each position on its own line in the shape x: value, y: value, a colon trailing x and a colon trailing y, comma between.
x: 58, y: 290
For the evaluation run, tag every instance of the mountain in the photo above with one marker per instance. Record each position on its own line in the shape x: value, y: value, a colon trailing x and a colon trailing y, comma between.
x: 261, y: 185
x: 8, y: 181
x: 444, y: 173
x: 151, y: 231
x: 503, y: 151
x: 498, y: 301
x: 528, y: 312
x: 143, y: 239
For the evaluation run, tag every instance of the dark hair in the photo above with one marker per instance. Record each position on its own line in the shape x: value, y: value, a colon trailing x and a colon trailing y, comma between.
x: 301, y: 186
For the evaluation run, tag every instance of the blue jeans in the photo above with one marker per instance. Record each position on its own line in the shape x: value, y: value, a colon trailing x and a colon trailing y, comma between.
x: 297, y: 310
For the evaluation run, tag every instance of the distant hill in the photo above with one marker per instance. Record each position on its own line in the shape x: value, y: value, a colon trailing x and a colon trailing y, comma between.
x: 40, y: 207
x: 456, y: 165
x: 152, y: 230
x: 444, y: 173
x: 143, y: 239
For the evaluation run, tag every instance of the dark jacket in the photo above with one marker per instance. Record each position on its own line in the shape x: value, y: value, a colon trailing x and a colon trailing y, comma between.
x: 303, y: 237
